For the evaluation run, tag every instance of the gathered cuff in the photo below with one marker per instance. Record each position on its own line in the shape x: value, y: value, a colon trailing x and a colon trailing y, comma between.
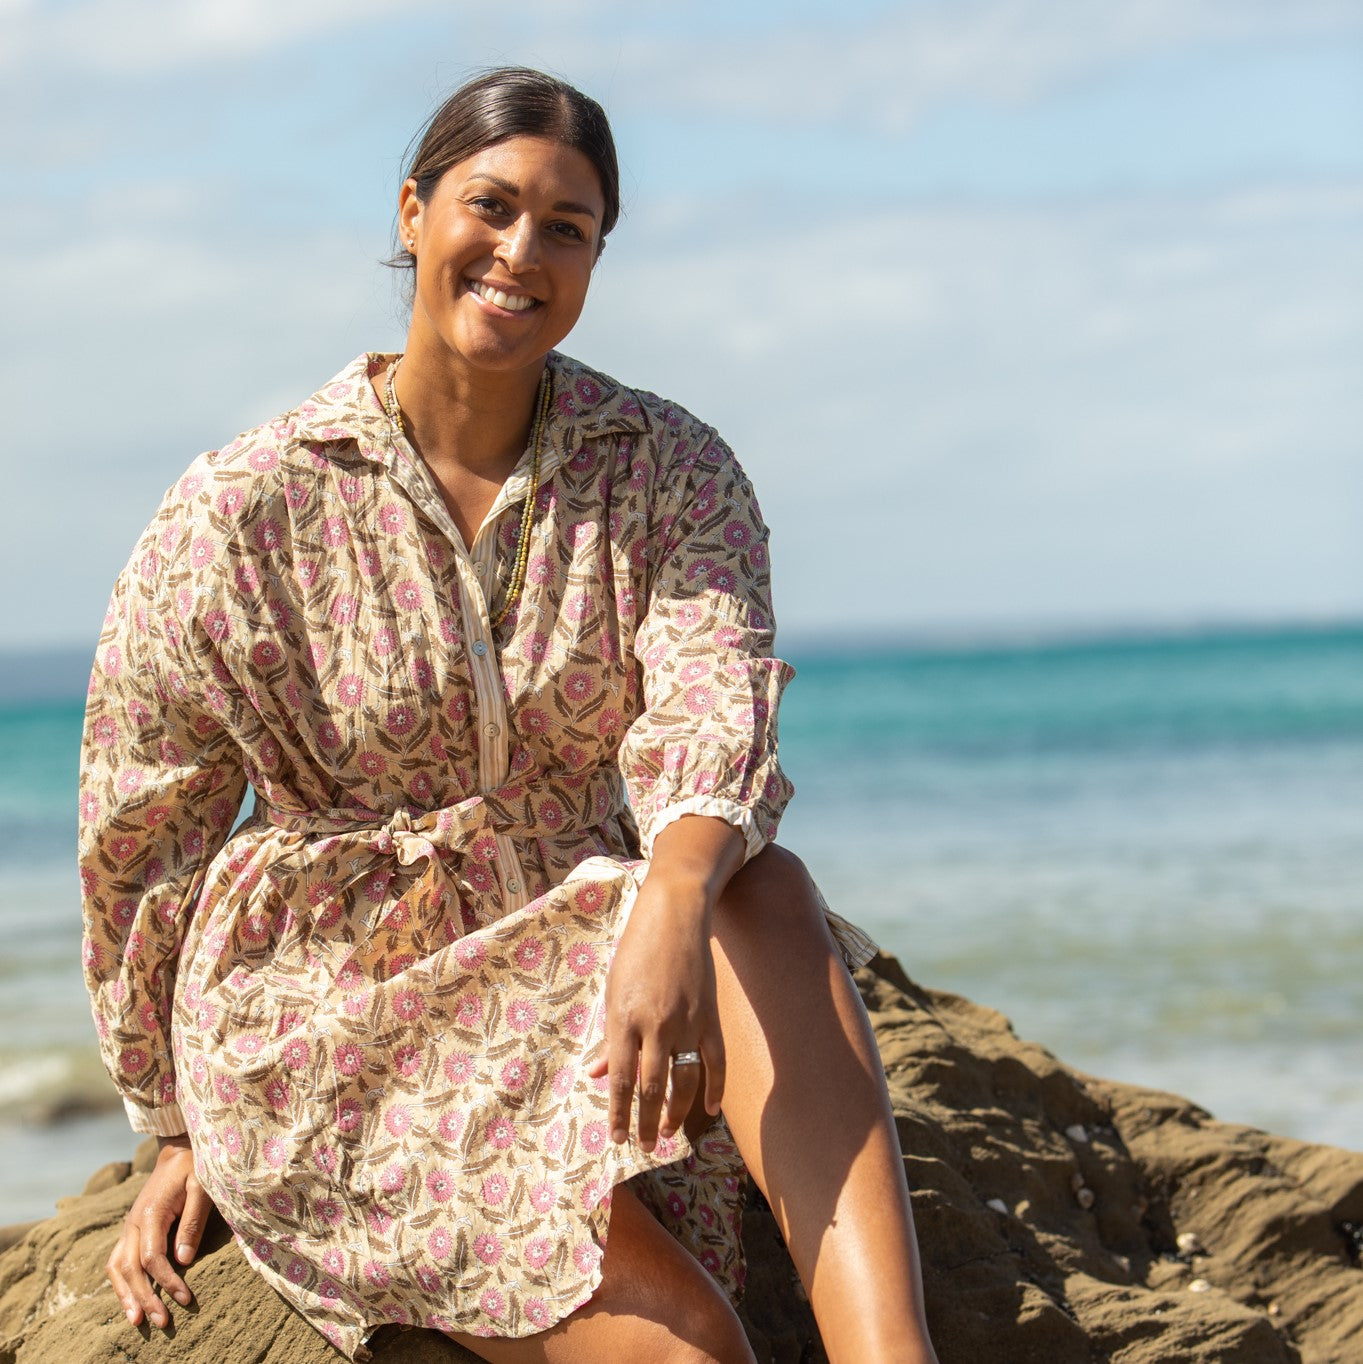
x: 165, y: 1121
x: 729, y: 811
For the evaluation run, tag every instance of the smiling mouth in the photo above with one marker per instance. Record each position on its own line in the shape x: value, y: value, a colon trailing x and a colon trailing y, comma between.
x: 513, y: 303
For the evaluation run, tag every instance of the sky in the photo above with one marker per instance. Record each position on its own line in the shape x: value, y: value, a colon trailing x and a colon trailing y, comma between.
x: 1023, y: 315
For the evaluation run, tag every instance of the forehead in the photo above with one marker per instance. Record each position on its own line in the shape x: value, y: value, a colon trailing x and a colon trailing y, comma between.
x: 534, y: 167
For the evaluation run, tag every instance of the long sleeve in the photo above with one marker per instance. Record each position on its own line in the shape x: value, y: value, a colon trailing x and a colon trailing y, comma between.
x: 705, y: 742
x: 161, y: 782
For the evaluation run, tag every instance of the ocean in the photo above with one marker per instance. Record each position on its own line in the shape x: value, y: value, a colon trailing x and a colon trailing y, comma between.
x: 1147, y: 852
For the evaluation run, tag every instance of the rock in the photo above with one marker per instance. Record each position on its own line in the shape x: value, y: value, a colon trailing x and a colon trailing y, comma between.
x: 986, y: 1121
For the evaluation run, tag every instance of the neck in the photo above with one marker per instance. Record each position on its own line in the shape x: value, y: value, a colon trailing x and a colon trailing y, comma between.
x: 476, y: 423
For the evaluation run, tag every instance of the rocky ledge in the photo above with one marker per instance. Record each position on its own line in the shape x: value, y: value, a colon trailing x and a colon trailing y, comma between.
x: 1063, y: 1219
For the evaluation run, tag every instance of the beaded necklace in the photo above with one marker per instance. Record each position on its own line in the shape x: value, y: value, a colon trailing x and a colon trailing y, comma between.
x: 542, y: 397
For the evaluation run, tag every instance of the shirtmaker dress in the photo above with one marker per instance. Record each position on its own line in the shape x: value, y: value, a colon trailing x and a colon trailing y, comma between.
x: 370, y: 1005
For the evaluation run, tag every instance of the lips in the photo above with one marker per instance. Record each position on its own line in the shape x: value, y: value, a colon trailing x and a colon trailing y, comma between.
x: 513, y: 303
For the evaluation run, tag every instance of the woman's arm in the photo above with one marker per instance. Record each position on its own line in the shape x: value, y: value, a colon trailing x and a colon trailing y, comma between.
x: 660, y: 994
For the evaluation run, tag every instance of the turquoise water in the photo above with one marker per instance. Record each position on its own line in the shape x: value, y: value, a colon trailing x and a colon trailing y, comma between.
x: 1148, y: 853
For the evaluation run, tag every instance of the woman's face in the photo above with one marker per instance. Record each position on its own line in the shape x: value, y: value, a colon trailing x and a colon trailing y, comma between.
x: 504, y: 253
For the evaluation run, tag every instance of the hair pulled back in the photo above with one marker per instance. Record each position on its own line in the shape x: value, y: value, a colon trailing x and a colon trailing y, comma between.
x: 507, y: 102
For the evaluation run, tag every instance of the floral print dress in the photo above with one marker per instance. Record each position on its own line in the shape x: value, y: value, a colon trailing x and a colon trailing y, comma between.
x: 369, y: 1003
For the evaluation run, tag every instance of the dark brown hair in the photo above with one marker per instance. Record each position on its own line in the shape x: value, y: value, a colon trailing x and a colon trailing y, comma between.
x: 507, y: 102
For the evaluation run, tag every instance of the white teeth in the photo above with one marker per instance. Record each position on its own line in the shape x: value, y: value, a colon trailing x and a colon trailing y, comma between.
x: 513, y: 303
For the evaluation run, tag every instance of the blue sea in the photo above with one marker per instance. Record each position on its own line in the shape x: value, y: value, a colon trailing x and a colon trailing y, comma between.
x: 1147, y: 852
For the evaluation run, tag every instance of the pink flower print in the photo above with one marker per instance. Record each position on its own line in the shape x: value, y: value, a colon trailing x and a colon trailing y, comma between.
x: 423, y: 675
x: 327, y: 733
x: 349, y: 1058
x: 588, y: 898
x: 449, y: 631
x: 392, y: 518
x: 459, y: 1067
x: 737, y: 535
x: 335, y: 532
x: 537, y: 569
x: 535, y: 646
x: 408, y: 1005
x: 277, y: 1094
x: 500, y: 1132
x: 529, y: 954
x: 275, y: 1153
x: 248, y: 1044
x: 296, y: 1271
x: 676, y: 1205
x: 384, y: 642
x: 376, y: 1274
x: 393, y: 1177
x: 723, y: 579
x: 536, y: 1312
x: 582, y: 959
x: 281, y: 1203
x: 407, y: 1058
x: 608, y: 722
x: 105, y: 733
x: 398, y: 1120
x: 495, y: 1190
x: 344, y: 609
x: 664, y: 1147
x: 694, y: 671
x: 470, y: 1011
x: 400, y: 720
x: 89, y: 803
x: 350, y: 689
x: 268, y: 535
x: 458, y: 707
x: 226, y: 1086
x: 550, y: 814
x: 132, y: 1060
x: 438, y: 1243
x: 493, y: 1305
x: 297, y: 494
x: 450, y: 1125
x: 728, y: 637
x: 201, y: 552
x: 333, y: 1261
x: 407, y: 595
x: 217, y: 626
x: 421, y: 788
x: 324, y: 1158
x: 586, y: 1256
x: 706, y: 1214
x: 575, y: 1020
x: 563, y: 1079
x: 380, y: 1221
x: 440, y: 1186
x: 553, y: 1138
x: 266, y: 653
x: 231, y: 1140
x: 700, y: 700
x: 543, y: 1197
x: 710, y: 1261
x: 593, y: 1138
x: 521, y: 1015
x: 230, y: 501
x: 348, y: 1115
x: 351, y: 489
x: 297, y: 1053
x: 488, y: 1247
x: 579, y: 686
x: 757, y: 555
x: 306, y: 570
x: 514, y: 1074
x: 687, y: 613
x: 471, y: 954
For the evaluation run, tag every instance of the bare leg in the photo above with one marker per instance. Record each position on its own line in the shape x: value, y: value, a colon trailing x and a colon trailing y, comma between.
x: 655, y: 1303
x: 805, y: 1099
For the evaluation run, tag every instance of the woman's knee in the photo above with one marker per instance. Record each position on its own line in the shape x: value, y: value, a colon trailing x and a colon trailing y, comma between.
x: 775, y: 890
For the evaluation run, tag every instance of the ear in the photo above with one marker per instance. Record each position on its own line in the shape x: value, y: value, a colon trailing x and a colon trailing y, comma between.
x: 410, y: 209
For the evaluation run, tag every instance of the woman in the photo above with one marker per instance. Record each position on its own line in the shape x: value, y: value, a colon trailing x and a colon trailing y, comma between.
x: 446, y: 1037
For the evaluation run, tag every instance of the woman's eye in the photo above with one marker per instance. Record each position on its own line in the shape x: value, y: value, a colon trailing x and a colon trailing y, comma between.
x: 485, y: 205
x: 570, y: 230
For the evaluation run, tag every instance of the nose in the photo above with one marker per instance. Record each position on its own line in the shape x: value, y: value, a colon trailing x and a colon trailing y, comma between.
x: 518, y: 246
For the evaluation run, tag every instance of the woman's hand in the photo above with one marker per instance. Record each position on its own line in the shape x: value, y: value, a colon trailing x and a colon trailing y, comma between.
x: 139, y: 1261
x: 660, y: 993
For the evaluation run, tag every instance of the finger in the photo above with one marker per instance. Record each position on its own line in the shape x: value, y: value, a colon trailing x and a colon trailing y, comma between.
x: 155, y: 1228
x: 681, y: 1094
x: 198, y: 1207
x: 653, y: 1068
x: 596, y: 1062
x: 624, y: 1061
x: 712, y: 1054
x: 123, y: 1293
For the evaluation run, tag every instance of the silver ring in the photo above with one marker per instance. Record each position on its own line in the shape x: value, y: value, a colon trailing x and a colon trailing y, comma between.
x: 686, y: 1058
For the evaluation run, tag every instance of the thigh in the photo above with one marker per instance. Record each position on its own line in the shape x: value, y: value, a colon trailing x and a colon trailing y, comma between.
x: 655, y: 1302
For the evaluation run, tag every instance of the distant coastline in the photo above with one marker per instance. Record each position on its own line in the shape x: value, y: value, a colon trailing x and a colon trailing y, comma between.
x: 60, y: 672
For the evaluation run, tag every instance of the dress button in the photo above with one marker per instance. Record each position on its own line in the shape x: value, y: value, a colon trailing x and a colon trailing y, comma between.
x: 491, y: 730
x: 513, y: 886
x: 479, y: 647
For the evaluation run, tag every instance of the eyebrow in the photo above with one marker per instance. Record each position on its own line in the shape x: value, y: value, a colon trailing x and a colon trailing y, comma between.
x: 563, y: 205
